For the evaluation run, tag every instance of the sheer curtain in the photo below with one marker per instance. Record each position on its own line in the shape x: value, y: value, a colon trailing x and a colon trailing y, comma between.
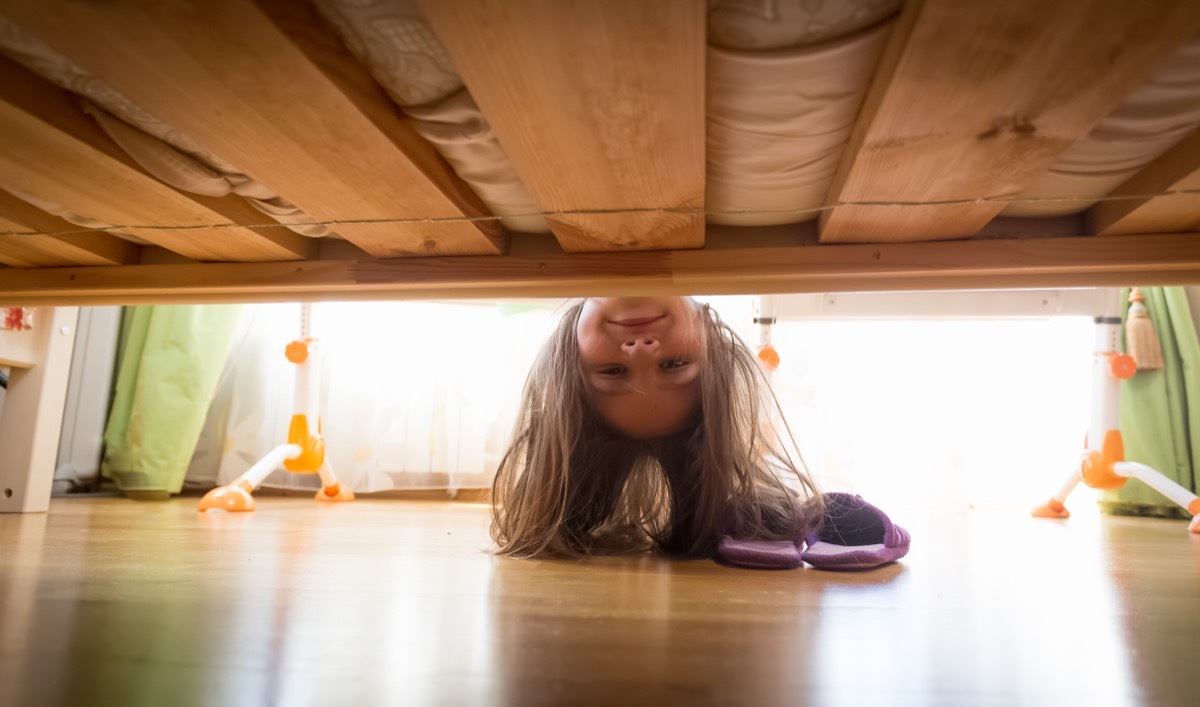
x: 414, y: 395
x: 931, y: 412
x: 939, y: 413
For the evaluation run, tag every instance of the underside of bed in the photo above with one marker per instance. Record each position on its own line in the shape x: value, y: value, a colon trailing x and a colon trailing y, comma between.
x: 243, y: 150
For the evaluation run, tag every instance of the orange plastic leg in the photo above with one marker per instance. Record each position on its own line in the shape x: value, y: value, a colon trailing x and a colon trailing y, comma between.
x: 336, y: 492
x: 234, y: 498
x: 1051, y: 509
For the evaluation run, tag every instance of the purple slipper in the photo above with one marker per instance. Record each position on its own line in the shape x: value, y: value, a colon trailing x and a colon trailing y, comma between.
x: 855, y: 535
x: 759, y: 554
x: 762, y: 554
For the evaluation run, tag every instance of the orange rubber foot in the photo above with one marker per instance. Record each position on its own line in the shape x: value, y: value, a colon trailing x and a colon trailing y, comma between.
x: 337, y: 492
x: 1194, y: 526
x: 233, y: 498
x: 1051, y: 509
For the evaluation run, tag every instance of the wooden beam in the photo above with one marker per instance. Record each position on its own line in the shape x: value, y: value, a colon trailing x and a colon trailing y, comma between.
x: 51, y: 151
x: 269, y: 90
x: 972, y: 100
x: 600, y: 107
x: 1131, y: 211
x: 36, y: 238
x: 538, y: 271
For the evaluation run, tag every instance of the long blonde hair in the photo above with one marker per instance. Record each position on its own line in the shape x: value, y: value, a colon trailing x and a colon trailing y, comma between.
x: 569, y: 485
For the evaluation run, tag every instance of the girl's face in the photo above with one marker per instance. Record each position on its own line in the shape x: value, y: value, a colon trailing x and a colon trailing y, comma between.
x: 640, y: 358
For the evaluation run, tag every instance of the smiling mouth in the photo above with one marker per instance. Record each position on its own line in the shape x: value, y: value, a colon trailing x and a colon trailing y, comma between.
x: 640, y: 321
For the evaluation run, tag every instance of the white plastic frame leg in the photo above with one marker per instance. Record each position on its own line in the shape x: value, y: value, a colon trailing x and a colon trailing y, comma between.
x: 1055, y: 508
x: 1150, y: 476
x: 1156, y: 480
x: 331, y: 490
x: 235, y: 497
x: 326, y: 473
x: 1106, y: 375
x: 270, y: 462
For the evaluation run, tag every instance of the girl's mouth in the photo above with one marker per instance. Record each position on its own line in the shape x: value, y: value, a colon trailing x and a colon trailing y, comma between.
x: 636, y: 322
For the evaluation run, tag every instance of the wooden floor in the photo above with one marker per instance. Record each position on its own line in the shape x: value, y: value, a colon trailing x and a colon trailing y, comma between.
x: 114, y: 602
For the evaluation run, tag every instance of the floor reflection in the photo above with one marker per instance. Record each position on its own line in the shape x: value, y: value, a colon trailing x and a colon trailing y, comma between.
x: 1159, y: 591
x: 650, y: 631
x: 1003, y: 609
x: 399, y: 603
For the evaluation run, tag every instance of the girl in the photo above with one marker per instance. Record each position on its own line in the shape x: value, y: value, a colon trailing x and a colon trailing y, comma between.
x: 645, y: 422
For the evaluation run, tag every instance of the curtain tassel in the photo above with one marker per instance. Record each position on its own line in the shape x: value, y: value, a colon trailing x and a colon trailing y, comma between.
x: 1140, y: 340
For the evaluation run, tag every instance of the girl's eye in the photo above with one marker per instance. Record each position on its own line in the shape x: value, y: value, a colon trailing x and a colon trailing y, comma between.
x: 612, y: 371
x: 673, y: 363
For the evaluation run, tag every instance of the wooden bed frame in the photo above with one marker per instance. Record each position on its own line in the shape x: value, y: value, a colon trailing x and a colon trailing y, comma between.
x: 600, y: 105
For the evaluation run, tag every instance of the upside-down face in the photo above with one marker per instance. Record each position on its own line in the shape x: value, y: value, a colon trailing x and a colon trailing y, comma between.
x: 641, y: 362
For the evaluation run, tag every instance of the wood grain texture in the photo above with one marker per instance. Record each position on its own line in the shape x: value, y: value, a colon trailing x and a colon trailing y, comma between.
x: 399, y: 602
x: 74, y: 249
x: 270, y: 91
x: 972, y: 100
x: 52, y: 152
x: 1176, y: 170
x: 600, y: 107
x: 542, y: 272
x: 69, y: 244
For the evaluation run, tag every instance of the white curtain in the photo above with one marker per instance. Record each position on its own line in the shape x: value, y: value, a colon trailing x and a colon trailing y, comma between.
x: 414, y: 395
x: 932, y: 413
x: 939, y: 414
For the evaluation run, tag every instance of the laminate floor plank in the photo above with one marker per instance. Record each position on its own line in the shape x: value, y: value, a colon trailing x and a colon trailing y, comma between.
x: 111, y: 601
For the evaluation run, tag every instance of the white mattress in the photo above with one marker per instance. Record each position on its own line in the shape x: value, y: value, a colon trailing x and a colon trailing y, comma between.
x: 1153, y: 117
x: 783, y: 24
x: 393, y: 40
x: 777, y: 124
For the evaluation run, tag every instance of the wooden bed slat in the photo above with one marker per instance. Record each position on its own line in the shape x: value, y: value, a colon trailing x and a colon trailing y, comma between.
x: 599, y: 106
x: 1176, y: 170
x: 269, y: 89
x: 52, y: 152
x: 75, y: 249
x: 974, y: 99
x: 30, y: 248
x: 541, y: 272
x: 22, y: 252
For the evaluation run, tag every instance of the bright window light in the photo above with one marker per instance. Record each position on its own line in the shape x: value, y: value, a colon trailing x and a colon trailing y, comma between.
x: 988, y: 413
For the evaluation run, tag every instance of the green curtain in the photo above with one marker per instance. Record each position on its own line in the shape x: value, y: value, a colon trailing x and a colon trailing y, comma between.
x: 170, y: 363
x: 1160, y: 410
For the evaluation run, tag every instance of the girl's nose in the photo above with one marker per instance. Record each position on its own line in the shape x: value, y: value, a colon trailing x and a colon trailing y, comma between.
x: 640, y: 346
